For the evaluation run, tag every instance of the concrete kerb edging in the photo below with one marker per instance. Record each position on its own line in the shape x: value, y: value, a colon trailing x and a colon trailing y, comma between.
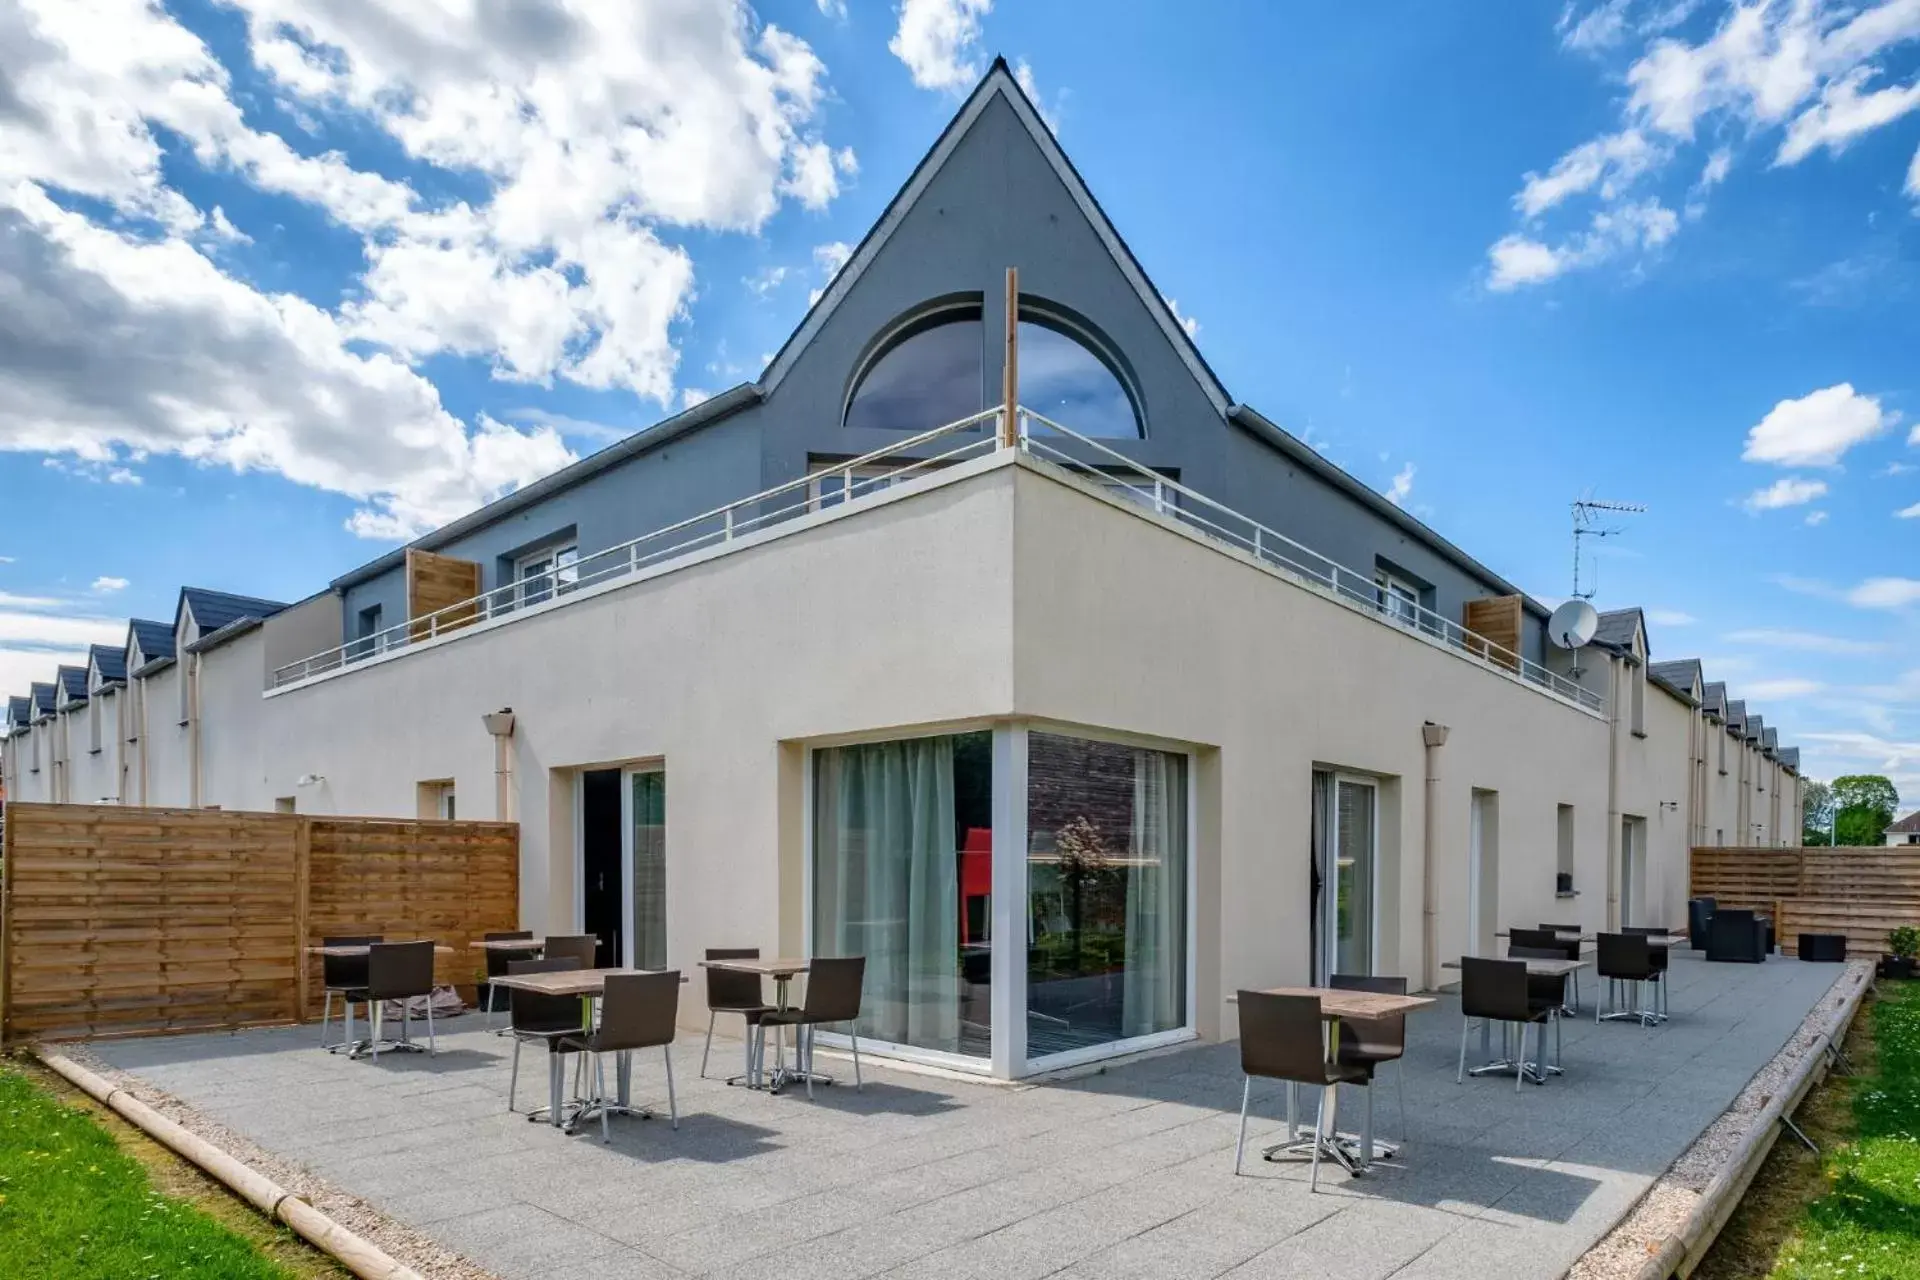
x: 353, y: 1252
x: 1681, y: 1251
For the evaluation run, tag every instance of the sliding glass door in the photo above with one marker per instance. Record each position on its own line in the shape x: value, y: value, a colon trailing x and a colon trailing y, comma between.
x: 1107, y: 893
x: 1344, y: 812
x: 902, y: 874
x: 647, y: 853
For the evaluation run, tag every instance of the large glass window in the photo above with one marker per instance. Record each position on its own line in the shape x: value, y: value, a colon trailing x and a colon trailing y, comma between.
x: 902, y: 874
x: 647, y: 806
x: 936, y: 374
x: 1062, y: 379
x: 1106, y: 893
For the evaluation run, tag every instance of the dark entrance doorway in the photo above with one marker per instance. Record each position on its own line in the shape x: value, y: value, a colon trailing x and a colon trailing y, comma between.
x: 602, y: 893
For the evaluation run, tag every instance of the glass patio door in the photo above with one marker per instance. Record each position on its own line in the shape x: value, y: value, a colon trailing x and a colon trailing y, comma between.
x: 645, y: 801
x: 1347, y: 897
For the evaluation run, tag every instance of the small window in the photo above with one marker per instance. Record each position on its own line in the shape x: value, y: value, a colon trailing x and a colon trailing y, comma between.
x: 447, y: 808
x: 932, y: 373
x: 283, y: 804
x: 366, y: 633
x: 1397, y: 598
x: 434, y: 799
x: 542, y: 574
x: 1563, y: 882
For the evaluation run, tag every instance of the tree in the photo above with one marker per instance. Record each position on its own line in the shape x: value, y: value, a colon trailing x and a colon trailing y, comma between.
x: 1864, y: 806
x: 1816, y: 818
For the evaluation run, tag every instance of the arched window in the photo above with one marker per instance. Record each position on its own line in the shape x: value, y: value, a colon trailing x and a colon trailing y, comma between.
x: 933, y: 373
x: 1062, y: 378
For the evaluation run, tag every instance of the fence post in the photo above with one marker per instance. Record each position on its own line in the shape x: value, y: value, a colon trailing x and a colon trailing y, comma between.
x: 6, y: 933
x: 302, y: 861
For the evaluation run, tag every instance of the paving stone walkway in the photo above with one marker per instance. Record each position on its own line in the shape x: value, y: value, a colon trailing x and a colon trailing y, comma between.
x: 1124, y: 1174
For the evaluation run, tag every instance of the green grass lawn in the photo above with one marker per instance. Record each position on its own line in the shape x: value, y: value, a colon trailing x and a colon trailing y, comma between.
x: 75, y: 1205
x: 1854, y: 1211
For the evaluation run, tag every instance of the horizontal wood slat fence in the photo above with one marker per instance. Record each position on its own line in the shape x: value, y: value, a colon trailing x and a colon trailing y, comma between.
x: 117, y: 920
x: 1860, y: 892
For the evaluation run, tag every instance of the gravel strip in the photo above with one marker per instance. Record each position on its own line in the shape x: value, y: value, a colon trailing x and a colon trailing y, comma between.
x: 401, y: 1242
x: 1673, y: 1195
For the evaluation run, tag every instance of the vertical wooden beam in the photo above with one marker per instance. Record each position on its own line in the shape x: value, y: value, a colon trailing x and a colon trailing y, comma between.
x: 1010, y: 371
x: 302, y: 882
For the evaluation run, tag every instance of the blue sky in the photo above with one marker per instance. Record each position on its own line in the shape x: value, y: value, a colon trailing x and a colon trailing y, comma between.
x: 1489, y: 258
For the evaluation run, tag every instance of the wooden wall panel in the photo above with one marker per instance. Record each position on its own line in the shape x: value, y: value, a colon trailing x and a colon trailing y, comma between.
x: 436, y: 582
x: 1495, y: 619
x: 1862, y: 893
x: 118, y: 920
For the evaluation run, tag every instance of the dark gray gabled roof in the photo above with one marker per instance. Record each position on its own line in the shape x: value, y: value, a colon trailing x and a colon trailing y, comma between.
x: 1770, y: 740
x: 1790, y: 758
x: 155, y: 638
x: 1679, y: 675
x: 42, y: 697
x: 1905, y: 825
x: 19, y: 712
x: 1616, y: 628
x: 111, y: 661
x: 213, y: 610
x: 1756, y: 725
x: 1736, y: 716
x: 1715, y: 696
x: 73, y: 683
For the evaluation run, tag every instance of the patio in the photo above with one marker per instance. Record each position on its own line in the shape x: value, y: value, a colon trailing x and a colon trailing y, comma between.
x: 1125, y: 1173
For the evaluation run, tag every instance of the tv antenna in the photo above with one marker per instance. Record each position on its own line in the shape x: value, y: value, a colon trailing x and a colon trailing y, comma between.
x: 1588, y: 522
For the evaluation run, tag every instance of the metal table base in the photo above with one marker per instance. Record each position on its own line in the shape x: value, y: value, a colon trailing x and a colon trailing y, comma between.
x: 1535, y: 1070
x: 1354, y: 1152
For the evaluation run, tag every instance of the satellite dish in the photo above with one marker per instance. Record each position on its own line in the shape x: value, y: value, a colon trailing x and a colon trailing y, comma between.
x: 1572, y: 624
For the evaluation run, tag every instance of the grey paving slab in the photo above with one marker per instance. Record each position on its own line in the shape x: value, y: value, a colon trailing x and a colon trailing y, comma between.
x: 1123, y: 1174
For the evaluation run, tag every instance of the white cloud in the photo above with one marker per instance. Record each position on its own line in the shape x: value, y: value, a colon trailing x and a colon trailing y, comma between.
x: 105, y: 584
x: 1885, y: 593
x: 938, y: 39
x: 1402, y: 487
x: 828, y: 259
x: 691, y: 396
x: 1023, y: 75
x: 1894, y: 469
x: 1816, y: 517
x: 575, y: 134
x: 1806, y: 641
x: 1670, y: 618
x: 1843, y: 113
x: 1801, y: 69
x: 1788, y: 491
x: 835, y: 9
x: 1913, y: 175
x: 1908, y: 513
x: 1190, y: 323
x: 767, y: 281
x: 1817, y: 429
x: 1620, y: 228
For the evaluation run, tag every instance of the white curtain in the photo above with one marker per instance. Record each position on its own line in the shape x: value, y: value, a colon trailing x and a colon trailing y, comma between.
x: 887, y: 884
x: 1156, y: 933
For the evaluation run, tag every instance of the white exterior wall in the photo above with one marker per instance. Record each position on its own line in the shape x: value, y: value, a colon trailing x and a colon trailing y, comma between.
x: 1654, y: 787
x: 94, y: 774
x: 228, y: 734
x: 164, y: 744
x: 31, y: 779
x: 1124, y: 625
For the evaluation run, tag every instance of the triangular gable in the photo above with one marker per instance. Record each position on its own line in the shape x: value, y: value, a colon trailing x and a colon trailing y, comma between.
x: 998, y: 83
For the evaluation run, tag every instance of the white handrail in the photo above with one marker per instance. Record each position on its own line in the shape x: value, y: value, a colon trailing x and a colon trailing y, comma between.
x: 1159, y: 493
x: 721, y: 524
x: 1272, y: 547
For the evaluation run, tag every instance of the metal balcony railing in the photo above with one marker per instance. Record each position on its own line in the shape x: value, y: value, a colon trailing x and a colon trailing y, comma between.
x: 974, y: 436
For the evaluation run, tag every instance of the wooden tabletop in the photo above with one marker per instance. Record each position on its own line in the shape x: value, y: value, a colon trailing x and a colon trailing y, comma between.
x: 765, y: 968
x: 567, y: 982
x: 1565, y: 935
x: 1667, y: 940
x: 1355, y: 1006
x: 1538, y: 966
x: 349, y: 952
x: 507, y: 944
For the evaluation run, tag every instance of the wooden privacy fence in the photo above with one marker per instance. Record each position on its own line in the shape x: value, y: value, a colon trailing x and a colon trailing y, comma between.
x: 118, y: 920
x: 1860, y: 892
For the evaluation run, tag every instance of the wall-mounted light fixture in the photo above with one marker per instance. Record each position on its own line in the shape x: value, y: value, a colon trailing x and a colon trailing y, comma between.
x: 309, y: 780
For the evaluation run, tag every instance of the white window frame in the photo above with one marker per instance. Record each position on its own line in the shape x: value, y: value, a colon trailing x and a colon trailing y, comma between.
x: 1396, y: 597
x: 557, y: 562
x: 630, y: 922
x: 445, y: 806
x: 1007, y: 1057
x: 1329, y: 897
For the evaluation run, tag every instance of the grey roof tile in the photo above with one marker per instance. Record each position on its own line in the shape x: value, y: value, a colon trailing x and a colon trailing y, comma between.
x: 42, y: 696
x: 111, y: 660
x: 156, y: 638
x: 1616, y: 629
x: 73, y: 682
x: 213, y: 610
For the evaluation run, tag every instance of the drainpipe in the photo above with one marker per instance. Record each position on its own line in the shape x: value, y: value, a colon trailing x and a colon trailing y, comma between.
x: 1434, y: 736
x: 140, y: 732
x: 1616, y: 669
x: 500, y: 725
x: 192, y: 676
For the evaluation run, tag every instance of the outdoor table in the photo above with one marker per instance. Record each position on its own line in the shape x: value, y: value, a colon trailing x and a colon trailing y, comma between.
x: 507, y: 944
x: 783, y: 971
x: 1537, y: 967
x: 590, y: 985
x: 1353, y: 1153
x: 357, y: 1048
